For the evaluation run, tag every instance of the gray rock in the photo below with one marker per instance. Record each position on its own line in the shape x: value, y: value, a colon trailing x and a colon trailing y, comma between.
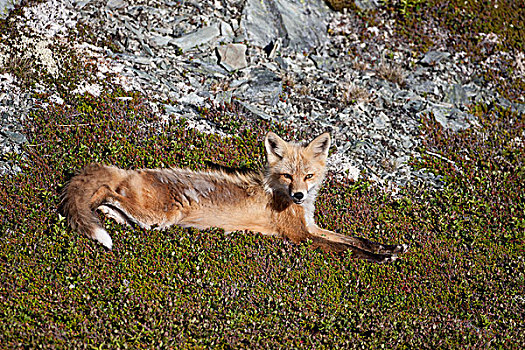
x: 161, y: 40
x: 256, y: 111
x: 300, y: 24
x: 14, y: 137
x: 513, y: 106
x: 232, y: 56
x: 223, y: 97
x: 457, y: 96
x: 451, y: 118
x: 207, y: 68
x: 263, y: 87
x: 7, y: 168
x: 471, y: 90
x: 6, y: 6
x: 145, y: 75
x: 518, y: 107
x: 241, y: 38
x: 381, y: 121
x: 367, y: 4
x: 279, y: 60
x: 425, y: 87
x: 407, y: 142
x: 503, y: 102
x: 227, y: 31
x: 193, y: 99
x: 146, y: 48
x: 411, y: 101
x: 432, y: 58
x: 323, y: 62
x: 116, y: 4
x: 201, y: 36
x: 80, y: 4
x: 262, y: 23
x: 415, y: 105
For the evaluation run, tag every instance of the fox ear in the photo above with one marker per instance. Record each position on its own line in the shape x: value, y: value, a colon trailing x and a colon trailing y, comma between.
x: 320, y: 145
x: 275, y: 147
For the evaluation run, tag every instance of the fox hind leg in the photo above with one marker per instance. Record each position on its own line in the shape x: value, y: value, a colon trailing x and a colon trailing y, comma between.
x: 114, y: 214
x: 121, y: 208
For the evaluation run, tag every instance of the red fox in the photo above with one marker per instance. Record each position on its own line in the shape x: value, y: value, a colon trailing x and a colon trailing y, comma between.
x: 277, y: 200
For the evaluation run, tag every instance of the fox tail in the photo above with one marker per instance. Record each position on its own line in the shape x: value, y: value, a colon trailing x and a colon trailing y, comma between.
x: 79, y: 201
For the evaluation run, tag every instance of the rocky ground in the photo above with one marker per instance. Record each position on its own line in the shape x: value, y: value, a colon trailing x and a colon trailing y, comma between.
x: 294, y: 62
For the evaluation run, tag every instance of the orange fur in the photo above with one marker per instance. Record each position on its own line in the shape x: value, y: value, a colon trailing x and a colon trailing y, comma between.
x: 278, y: 201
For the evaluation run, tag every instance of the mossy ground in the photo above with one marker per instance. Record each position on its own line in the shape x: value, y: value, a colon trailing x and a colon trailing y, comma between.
x: 479, y: 28
x: 460, y: 286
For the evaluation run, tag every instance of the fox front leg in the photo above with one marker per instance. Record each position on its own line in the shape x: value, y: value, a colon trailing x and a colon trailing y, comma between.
x: 358, y: 242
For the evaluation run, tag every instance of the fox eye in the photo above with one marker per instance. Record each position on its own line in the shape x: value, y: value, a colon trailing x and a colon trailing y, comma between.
x: 309, y: 176
x: 287, y: 176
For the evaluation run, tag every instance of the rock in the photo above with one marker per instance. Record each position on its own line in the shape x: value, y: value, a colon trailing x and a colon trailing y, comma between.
x: 411, y: 101
x: 425, y: 87
x: 116, y: 4
x: 279, y: 60
x: 227, y: 31
x: 262, y: 23
x: 80, y: 4
x: 256, y: 111
x: 503, y: 102
x: 407, y: 143
x: 241, y: 38
x: 6, y: 168
x: 263, y: 87
x: 6, y: 6
x: 367, y: 4
x: 232, y: 56
x: 208, y: 68
x: 451, y: 118
x: 415, y: 105
x: 223, y: 97
x: 193, y: 99
x: 432, y: 58
x: 513, y: 106
x: 161, y: 40
x: 301, y: 25
x: 200, y: 37
x: 381, y: 121
x: 457, y: 96
x: 323, y: 62
x: 518, y: 108
x: 14, y: 137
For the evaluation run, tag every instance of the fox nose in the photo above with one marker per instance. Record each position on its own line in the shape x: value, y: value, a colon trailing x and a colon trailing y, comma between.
x: 298, y: 195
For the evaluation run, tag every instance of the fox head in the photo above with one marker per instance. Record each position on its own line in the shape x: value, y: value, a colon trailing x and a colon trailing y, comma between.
x: 296, y: 170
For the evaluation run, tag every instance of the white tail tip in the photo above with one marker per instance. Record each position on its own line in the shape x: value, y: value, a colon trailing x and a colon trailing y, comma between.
x: 103, y: 237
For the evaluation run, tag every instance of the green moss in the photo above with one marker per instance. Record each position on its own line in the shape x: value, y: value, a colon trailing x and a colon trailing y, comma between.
x: 184, y: 287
